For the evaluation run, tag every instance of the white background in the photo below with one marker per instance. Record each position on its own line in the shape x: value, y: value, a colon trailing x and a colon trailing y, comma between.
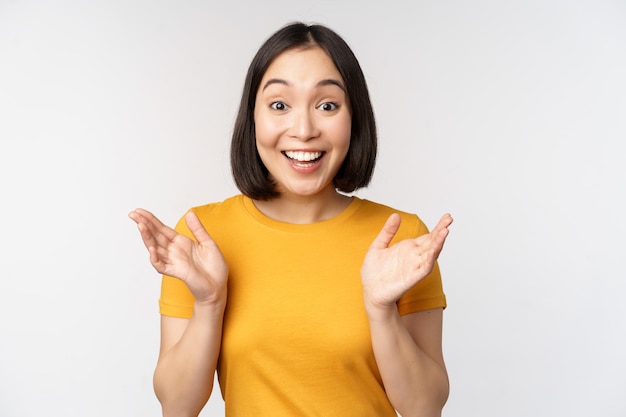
x: 511, y: 115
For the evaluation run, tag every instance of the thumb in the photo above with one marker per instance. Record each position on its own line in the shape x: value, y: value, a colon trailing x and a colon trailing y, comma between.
x: 196, y: 228
x: 387, y: 233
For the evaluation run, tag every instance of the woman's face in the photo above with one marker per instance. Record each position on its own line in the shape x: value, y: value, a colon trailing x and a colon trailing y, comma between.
x: 303, y: 121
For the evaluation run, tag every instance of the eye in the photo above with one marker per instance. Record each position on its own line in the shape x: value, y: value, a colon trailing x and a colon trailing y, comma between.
x: 328, y: 106
x: 279, y: 105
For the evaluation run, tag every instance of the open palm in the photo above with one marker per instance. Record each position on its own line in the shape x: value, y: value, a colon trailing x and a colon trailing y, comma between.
x: 198, y: 263
x: 390, y: 271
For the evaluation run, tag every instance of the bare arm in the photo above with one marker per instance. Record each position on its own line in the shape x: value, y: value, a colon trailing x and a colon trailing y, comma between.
x: 409, y: 356
x: 408, y: 349
x: 183, y: 379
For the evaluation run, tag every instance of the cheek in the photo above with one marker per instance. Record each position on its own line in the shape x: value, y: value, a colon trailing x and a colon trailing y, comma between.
x: 264, y: 138
x: 343, y: 131
x: 260, y: 133
x: 265, y: 142
x: 266, y: 130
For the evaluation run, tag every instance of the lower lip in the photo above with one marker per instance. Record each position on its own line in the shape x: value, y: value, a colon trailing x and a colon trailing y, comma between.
x: 305, y: 168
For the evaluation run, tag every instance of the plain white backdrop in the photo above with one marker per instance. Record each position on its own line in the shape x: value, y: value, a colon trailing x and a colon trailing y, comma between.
x: 511, y: 115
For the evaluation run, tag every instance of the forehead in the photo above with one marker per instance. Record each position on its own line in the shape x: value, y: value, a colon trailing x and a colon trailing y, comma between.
x: 312, y: 63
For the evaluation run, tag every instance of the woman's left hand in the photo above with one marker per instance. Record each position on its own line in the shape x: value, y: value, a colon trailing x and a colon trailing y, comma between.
x: 390, y: 271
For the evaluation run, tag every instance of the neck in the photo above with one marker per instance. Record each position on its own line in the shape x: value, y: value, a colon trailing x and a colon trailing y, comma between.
x: 303, y: 209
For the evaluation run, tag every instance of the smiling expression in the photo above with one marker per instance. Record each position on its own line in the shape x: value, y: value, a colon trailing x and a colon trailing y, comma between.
x: 302, y: 122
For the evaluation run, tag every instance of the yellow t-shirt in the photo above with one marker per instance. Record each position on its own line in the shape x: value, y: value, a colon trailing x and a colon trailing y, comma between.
x: 296, y: 339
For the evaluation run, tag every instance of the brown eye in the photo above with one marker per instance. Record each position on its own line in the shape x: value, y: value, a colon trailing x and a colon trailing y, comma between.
x: 328, y: 106
x: 278, y: 105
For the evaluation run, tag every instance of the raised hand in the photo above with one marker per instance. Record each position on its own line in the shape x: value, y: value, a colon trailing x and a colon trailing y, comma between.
x: 390, y: 271
x: 198, y: 263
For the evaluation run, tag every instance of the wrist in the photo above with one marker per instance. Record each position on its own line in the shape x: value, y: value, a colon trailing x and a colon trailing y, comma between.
x: 378, y: 311
x: 215, y: 305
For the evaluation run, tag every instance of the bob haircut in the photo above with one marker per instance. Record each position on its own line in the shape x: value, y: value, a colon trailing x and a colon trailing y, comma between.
x: 250, y: 174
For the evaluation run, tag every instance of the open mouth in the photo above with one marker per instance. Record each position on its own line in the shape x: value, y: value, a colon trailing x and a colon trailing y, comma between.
x: 303, y: 158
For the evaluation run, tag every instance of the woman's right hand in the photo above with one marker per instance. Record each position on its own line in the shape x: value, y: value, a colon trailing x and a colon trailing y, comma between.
x: 200, y: 263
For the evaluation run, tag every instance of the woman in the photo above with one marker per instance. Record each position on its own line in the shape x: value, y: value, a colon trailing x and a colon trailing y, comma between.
x: 307, y: 301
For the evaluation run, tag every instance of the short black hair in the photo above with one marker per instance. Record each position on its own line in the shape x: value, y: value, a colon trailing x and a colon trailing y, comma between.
x: 250, y: 174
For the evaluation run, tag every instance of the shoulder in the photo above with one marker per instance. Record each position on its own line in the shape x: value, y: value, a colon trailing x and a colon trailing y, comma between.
x: 375, y: 213
x: 228, y: 206
x: 374, y: 208
x: 214, y: 214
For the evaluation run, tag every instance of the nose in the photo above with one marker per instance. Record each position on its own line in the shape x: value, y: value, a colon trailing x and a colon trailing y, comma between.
x: 304, y: 126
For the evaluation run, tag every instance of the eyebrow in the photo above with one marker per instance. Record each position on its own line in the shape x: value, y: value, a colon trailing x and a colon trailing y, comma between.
x: 322, y: 83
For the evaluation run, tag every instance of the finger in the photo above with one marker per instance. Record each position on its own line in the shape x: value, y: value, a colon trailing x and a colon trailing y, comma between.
x: 445, y: 221
x: 433, y: 242
x: 156, y: 261
x: 146, y: 230
x: 162, y: 234
x: 146, y: 235
x: 197, y: 229
x: 156, y: 237
x: 155, y: 223
x: 387, y: 233
x: 440, y: 231
x: 134, y: 216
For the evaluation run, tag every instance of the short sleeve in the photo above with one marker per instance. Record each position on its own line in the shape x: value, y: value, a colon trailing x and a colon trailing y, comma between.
x: 426, y: 294
x: 176, y: 300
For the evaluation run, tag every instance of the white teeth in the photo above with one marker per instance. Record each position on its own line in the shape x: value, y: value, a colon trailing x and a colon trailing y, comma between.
x: 303, y: 156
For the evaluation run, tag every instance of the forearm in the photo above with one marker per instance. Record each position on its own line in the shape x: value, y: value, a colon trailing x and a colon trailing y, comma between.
x: 183, y: 379
x: 415, y: 383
